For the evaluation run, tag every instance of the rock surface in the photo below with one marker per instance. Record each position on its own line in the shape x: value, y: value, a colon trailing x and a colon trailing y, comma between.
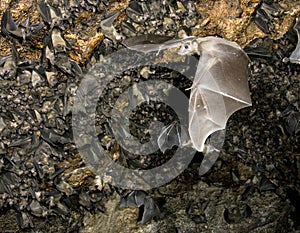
x: 46, y: 187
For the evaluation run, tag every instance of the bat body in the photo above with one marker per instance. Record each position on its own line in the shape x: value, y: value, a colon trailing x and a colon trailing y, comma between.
x: 220, y: 85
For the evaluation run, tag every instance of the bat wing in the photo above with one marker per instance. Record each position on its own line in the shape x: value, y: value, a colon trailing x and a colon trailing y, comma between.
x: 219, y: 89
x: 295, y: 56
x: 150, y: 42
x: 169, y: 137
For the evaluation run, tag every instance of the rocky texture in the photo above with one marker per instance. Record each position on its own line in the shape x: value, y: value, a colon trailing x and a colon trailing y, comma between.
x: 46, y: 187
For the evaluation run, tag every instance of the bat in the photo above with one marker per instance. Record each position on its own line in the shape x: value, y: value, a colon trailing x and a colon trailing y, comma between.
x: 220, y: 85
x: 139, y: 198
x: 9, y: 26
x: 135, y: 198
x: 295, y: 56
x: 49, y: 14
x: 169, y: 137
x: 107, y: 27
x: 151, y: 210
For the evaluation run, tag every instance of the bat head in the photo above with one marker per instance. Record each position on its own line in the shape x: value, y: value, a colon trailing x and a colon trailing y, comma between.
x: 189, y: 47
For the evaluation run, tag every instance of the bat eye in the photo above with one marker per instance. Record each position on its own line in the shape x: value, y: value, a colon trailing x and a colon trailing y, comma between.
x: 186, y: 46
